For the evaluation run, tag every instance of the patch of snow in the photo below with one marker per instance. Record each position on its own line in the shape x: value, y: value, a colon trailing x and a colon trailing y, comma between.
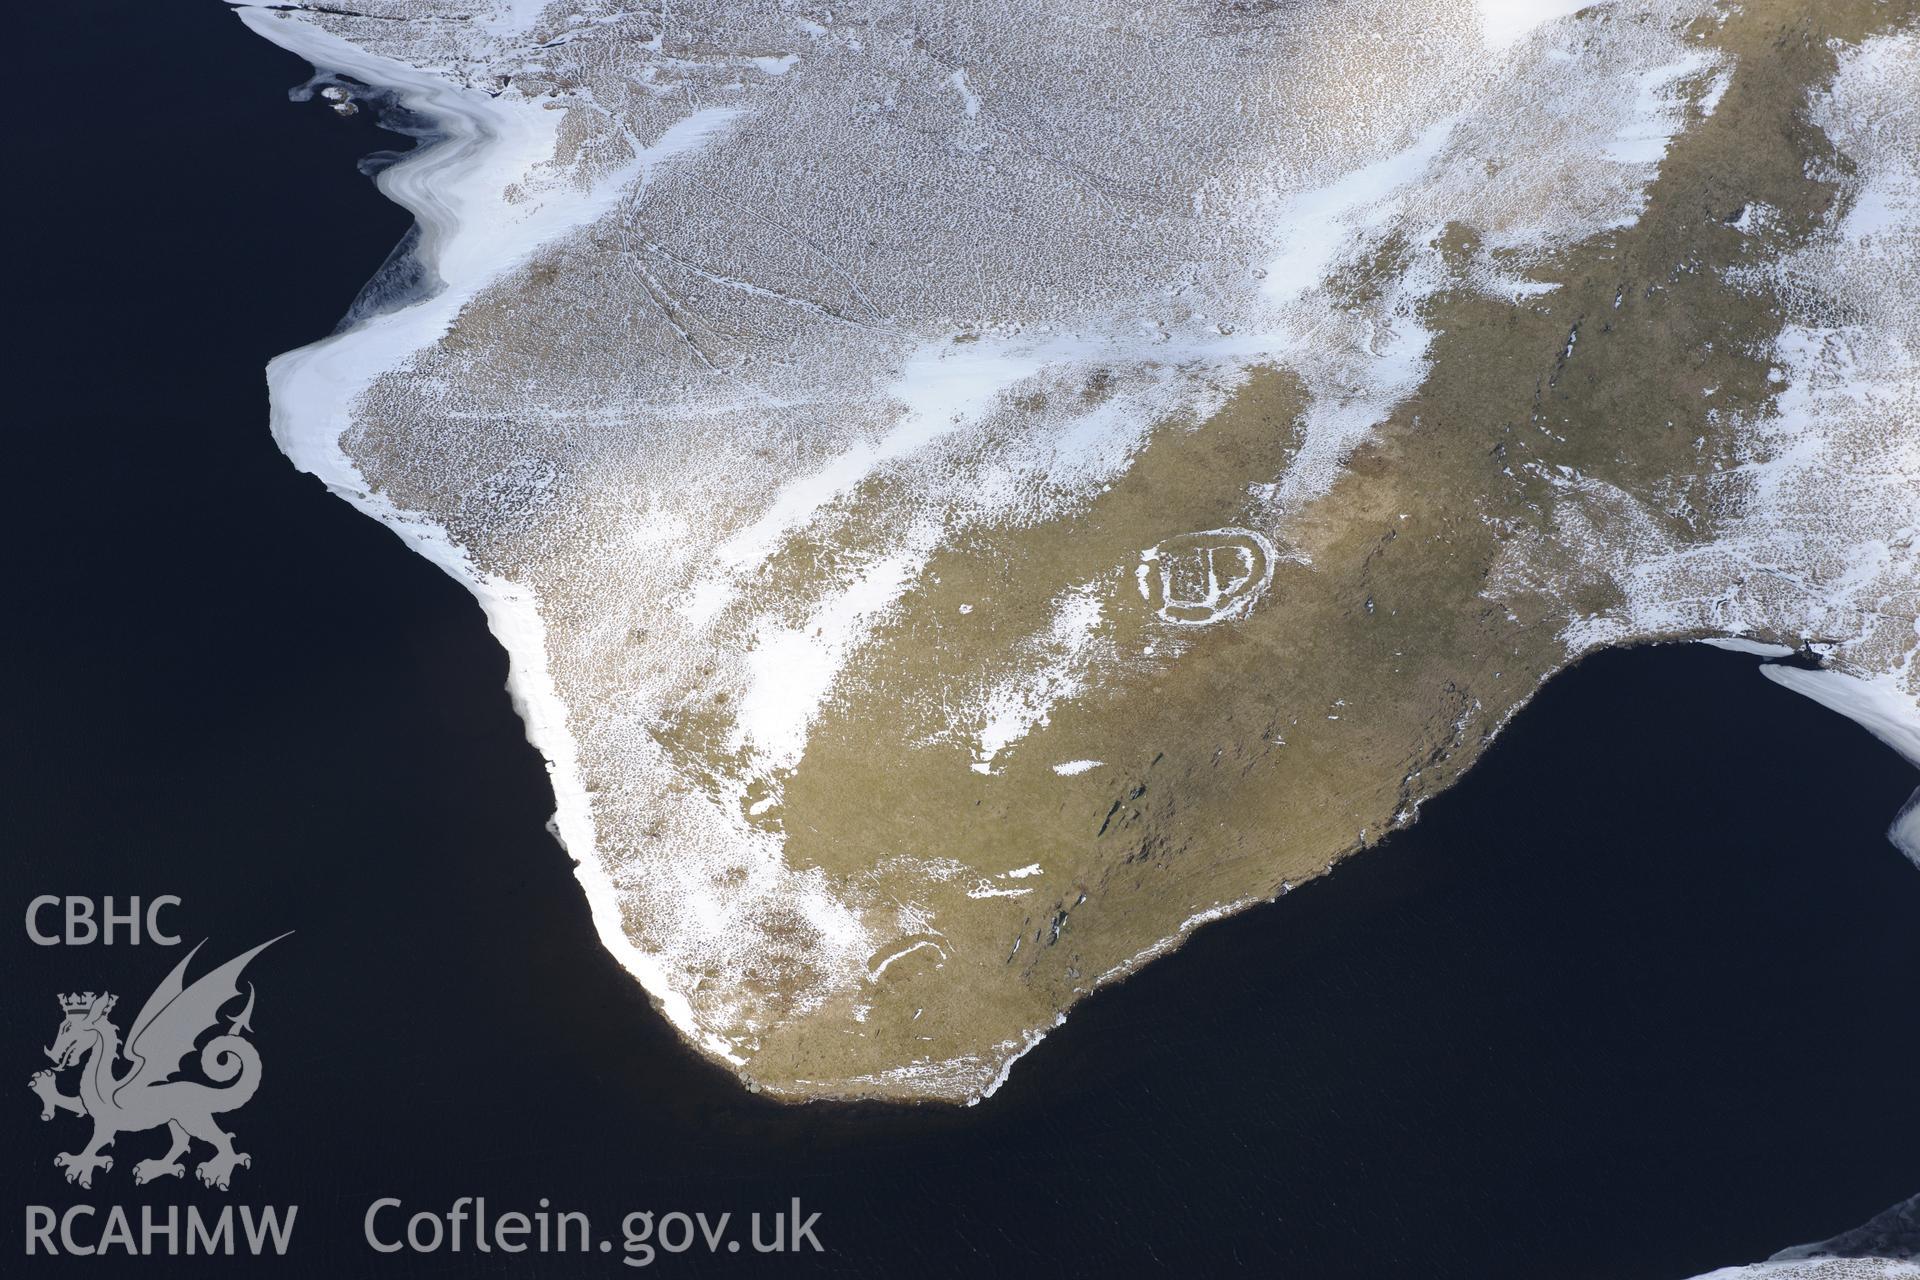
x: 969, y: 100
x: 1505, y: 23
x: 1738, y: 644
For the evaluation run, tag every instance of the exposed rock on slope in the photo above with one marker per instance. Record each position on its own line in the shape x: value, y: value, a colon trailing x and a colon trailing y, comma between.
x: 974, y: 493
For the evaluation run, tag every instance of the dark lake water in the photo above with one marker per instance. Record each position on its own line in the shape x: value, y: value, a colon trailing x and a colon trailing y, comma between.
x: 1636, y: 999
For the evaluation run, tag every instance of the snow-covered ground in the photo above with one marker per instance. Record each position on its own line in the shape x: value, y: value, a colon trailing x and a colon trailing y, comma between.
x: 851, y: 278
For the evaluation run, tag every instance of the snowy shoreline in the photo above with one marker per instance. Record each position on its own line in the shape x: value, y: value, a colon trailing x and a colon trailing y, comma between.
x: 469, y: 236
x: 446, y: 186
x: 1882, y: 709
